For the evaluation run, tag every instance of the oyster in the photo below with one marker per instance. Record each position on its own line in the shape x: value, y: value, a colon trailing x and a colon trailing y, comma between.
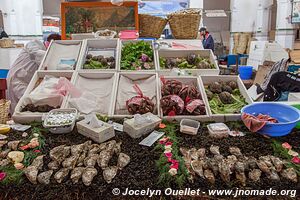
x: 57, y: 153
x: 278, y: 164
x: 88, y: 175
x: 44, y: 177
x: 263, y: 166
x: 251, y: 161
x: 197, y: 166
x: 123, y: 160
x: 194, y: 154
x: 273, y: 175
x: 235, y: 151
x: 13, y: 145
x: 201, y: 152
x: 38, y: 162
x: 81, y: 158
x: 4, y: 162
x: 255, y: 175
x: 109, y: 173
x: 66, y: 151
x: 241, y: 177
x: 102, y: 146
x: 31, y: 173
x: 104, y: 158
x: 16, y: 156
x: 290, y: 174
x: 117, y: 148
x: 87, y: 145
x: 231, y: 160
x: 2, y: 143
x: 185, y: 152
x: 76, y: 174
x: 111, y: 145
x: 266, y: 160
x: 91, y: 160
x: 77, y: 149
x: 225, y: 172
x: 70, y: 162
x: 239, y: 167
x: 94, y: 149
x: 209, y: 175
x: 61, y: 174
x: 4, y: 153
x: 214, y: 150
x: 213, y: 165
x: 53, y: 165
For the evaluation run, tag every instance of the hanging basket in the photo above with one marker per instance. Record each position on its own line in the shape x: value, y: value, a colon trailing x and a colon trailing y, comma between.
x: 4, y: 110
x: 185, y: 24
x: 151, y: 26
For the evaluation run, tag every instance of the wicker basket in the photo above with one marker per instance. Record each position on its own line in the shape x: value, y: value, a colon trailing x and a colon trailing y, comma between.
x: 4, y: 110
x: 151, y: 26
x: 184, y: 26
x: 6, y: 43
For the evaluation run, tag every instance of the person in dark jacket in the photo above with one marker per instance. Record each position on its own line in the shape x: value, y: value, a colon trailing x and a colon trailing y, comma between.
x: 207, y: 41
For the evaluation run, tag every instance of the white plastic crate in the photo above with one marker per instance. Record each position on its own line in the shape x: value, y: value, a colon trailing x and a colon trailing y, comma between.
x: 25, y: 117
x: 186, y: 80
x: 105, y: 47
x: 183, y: 54
x: 206, y: 80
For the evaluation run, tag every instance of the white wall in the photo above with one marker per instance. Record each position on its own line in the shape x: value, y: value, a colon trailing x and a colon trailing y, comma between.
x: 196, y: 3
x: 22, y: 17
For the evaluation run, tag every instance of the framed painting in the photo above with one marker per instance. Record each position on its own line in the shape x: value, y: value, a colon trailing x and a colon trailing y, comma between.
x: 87, y: 17
x: 296, y: 11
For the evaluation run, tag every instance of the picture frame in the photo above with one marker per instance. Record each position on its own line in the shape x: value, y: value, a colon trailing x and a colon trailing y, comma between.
x: 295, y: 19
x: 87, y: 17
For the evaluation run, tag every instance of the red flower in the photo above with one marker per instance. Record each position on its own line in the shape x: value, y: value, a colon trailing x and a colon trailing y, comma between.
x: 163, y: 140
x: 172, y: 113
x: 296, y: 160
x: 286, y: 145
x: 168, y: 155
x: 162, y: 126
x: 37, y: 151
x: 24, y: 147
x: 168, y: 144
x: 2, y: 176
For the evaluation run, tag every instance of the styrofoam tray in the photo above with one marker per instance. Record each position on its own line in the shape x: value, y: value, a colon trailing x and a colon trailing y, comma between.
x: 121, y: 42
x: 25, y: 117
x: 183, y: 54
x: 135, y: 76
x: 105, y: 47
x: 205, y: 80
x: 59, y: 49
x: 186, y: 80
x: 96, y: 82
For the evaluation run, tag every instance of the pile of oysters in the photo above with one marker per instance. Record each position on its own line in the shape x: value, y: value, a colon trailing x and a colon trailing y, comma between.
x: 235, y: 166
x: 78, y: 161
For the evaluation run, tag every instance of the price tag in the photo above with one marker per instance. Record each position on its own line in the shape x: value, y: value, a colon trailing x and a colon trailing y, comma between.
x: 151, y: 139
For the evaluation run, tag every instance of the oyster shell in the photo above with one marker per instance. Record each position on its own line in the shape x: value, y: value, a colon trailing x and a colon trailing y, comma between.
x: 278, y: 164
x: 91, y: 160
x: 254, y: 175
x: 66, y: 151
x: 213, y: 165
x: 123, y: 160
x: 209, y: 175
x: 13, y: 145
x: 103, y: 146
x: 61, y: 174
x: 263, y: 166
x: 290, y: 174
x: 267, y: 160
x: 117, y: 148
x: 44, y: 177
x: 225, y: 171
x: 88, y: 175
x: 16, y: 156
x: 214, y: 150
x: 81, y: 158
x: 87, y: 145
x: 241, y: 177
x: 57, y: 153
x: 77, y: 149
x: 111, y: 145
x: 76, y: 174
x: 70, y: 162
x: 53, y: 165
x: 94, y: 149
x: 31, y: 173
x: 273, y: 175
x: 231, y: 160
x: 4, y: 162
x: 185, y: 152
x: 251, y: 161
x: 104, y: 158
x: 194, y: 154
x: 4, y: 153
x: 197, y: 166
x: 235, y: 151
x: 240, y: 167
x: 2, y: 143
x: 38, y: 162
x: 109, y: 173
x: 201, y: 152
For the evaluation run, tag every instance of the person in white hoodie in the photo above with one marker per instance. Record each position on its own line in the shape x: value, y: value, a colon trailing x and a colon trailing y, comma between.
x: 22, y: 71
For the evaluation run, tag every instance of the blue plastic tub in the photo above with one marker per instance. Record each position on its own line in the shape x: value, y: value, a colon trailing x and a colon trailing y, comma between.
x: 287, y: 116
x: 3, y: 73
x: 232, y: 59
x: 245, y: 72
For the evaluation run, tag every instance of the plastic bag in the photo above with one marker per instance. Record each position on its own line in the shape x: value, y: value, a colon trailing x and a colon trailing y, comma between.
x: 139, y: 104
x: 93, y: 121
x: 196, y: 107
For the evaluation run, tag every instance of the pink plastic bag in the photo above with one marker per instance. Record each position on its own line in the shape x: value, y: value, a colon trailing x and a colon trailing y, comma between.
x: 64, y: 86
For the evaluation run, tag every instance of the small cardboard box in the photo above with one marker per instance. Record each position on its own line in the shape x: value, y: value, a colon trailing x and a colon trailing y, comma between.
x: 99, y: 135
x: 137, y: 131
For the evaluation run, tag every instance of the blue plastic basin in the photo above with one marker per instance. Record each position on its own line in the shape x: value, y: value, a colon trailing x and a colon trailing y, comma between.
x: 3, y: 73
x: 287, y: 117
x: 245, y: 72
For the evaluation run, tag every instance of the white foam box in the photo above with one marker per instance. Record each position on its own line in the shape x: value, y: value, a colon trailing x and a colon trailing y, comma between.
x: 59, y: 49
x: 96, y: 47
x: 137, y: 131
x: 206, y: 80
x: 183, y: 54
x: 26, y: 117
x: 99, y: 135
x: 135, y: 76
x: 95, y: 81
x: 186, y: 80
x: 121, y: 44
